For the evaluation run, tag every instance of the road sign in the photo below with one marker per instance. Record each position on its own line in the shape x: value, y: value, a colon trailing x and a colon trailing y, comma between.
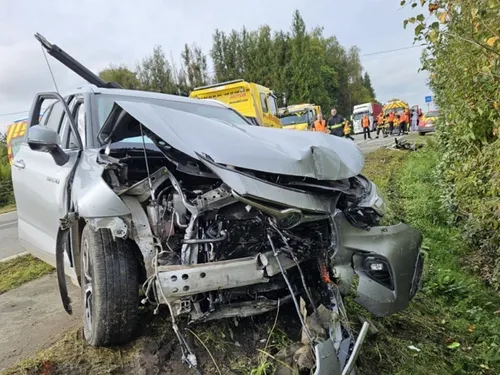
x: 428, y: 99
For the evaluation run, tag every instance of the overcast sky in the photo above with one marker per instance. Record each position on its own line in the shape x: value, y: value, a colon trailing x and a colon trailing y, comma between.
x: 122, y: 31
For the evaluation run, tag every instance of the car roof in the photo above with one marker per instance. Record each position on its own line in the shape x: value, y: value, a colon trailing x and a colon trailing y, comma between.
x: 92, y: 89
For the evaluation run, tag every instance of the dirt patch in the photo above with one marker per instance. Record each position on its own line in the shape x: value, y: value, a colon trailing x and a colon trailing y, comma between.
x: 240, y: 346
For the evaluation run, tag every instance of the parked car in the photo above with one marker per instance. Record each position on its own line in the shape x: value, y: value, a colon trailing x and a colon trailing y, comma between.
x: 426, y: 125
x: 212, y: 216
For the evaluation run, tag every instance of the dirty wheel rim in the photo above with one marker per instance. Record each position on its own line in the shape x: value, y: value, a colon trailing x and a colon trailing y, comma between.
x: 87, y: 289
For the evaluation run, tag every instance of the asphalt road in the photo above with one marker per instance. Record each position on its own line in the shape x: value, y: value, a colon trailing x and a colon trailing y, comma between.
x: 9, y: 244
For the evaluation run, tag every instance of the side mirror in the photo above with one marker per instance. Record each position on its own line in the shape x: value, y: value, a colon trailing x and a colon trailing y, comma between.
x: 43, y: 139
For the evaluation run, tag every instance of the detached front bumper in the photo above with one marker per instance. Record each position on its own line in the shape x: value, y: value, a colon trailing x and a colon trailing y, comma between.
x: 387, y: 261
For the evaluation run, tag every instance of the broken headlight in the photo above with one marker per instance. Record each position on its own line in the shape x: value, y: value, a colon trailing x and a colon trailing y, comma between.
x: 368, y: 211
x: 374, y: 200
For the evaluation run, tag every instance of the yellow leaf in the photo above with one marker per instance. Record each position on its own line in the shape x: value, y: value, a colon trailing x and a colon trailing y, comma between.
x: 492, y: 40
x: 433, y: 7
x: 442, y: 17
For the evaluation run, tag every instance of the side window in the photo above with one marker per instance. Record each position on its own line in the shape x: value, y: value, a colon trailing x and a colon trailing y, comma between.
x: 263, y: 102
x: 79, y: 116
x: 55, y: 117
x: 43, y: 118
x: 271, y: 100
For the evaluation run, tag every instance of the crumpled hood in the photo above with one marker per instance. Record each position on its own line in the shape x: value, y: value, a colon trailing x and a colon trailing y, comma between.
x: 287, y: 152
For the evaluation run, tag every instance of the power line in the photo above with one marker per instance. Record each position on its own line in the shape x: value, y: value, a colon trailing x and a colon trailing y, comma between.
x: 392, y: 50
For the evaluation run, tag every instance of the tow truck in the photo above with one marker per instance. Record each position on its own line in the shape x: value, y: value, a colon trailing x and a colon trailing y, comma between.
x: 299, y: 116
x: 256, y: 102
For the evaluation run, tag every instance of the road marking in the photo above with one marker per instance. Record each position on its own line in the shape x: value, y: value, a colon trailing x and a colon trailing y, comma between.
x: 8, y: 224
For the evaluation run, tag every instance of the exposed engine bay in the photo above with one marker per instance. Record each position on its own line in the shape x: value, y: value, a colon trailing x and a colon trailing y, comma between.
x: 202, y: 221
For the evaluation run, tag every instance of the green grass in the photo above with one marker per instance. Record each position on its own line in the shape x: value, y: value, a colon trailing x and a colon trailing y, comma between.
x: 7, y: 208
x: 19, y: 270
x: 454, y: 320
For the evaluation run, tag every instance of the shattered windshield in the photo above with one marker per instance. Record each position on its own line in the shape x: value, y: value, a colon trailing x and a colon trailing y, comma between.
x: 105, y: 104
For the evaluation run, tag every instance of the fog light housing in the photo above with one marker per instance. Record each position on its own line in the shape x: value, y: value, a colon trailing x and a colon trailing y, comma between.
x: 377, y: 266
x: 378, y: 269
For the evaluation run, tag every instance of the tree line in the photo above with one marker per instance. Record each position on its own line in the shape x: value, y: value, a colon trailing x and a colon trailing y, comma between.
x: 305, y: 65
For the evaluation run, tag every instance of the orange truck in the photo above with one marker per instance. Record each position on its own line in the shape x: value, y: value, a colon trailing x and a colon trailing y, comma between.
x: 15, y: 134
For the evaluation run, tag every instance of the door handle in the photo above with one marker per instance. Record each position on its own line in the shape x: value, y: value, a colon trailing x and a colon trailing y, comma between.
x: 19, y: 164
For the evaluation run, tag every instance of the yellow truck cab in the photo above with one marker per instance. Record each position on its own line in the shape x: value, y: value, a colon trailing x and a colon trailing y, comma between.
x: 15, y: 134
x: 254, y: 101
x: 299, y: 116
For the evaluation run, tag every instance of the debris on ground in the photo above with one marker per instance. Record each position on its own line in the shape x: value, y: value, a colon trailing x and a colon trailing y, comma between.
x: 298, y: 356
x: 412, y: 347
x: 403, y: 144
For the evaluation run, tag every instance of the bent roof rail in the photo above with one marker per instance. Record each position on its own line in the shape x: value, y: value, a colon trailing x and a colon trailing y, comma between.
x: 70, y: 62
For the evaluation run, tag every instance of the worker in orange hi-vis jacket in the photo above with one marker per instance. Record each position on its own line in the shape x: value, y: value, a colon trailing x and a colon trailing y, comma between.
x: 320, y: 124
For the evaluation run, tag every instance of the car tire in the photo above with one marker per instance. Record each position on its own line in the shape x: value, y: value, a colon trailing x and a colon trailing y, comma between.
x: 110, y: 288
x: 421, y: 133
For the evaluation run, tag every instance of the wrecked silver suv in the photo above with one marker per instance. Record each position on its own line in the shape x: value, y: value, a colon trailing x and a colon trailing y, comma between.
x: 161, y: 199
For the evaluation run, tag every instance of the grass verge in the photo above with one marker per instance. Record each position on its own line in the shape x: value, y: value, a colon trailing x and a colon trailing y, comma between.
x: 451, y: 327
x: 7, y: 208
x: 454, y: 323
x: 19, y: 270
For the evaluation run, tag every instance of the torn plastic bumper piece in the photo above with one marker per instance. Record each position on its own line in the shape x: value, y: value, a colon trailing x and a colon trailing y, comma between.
x: 388, y: 261
x: 327, y: 361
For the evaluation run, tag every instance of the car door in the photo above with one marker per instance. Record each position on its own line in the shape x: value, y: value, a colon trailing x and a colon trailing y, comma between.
x: 40, y: 184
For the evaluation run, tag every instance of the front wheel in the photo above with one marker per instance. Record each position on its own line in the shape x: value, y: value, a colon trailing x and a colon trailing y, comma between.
x: 110, y: 288
x: 421, y: 133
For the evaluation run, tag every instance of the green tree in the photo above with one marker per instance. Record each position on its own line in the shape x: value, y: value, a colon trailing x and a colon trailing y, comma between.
x: 194, y: 67
x: 305, y: 65
x: 217, y: 54
x: 357, y: 92
x: 367, y: 82
x: 120, y: 74
x: 155, y: 73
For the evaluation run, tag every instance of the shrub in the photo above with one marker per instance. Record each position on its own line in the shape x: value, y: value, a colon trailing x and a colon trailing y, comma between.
x: 463, y: 59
